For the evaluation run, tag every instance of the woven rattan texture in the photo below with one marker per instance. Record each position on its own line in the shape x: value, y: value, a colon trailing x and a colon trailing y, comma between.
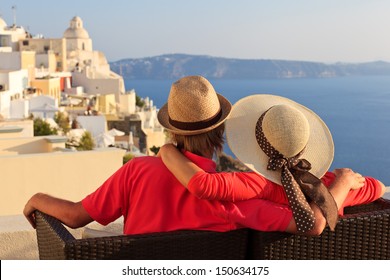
x: 362, y: 233
x: 169, y: 245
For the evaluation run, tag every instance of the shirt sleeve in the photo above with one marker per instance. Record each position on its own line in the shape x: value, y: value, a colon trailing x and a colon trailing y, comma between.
x: 106, y: 203
x: 260, y: 214
x: 234, y: 186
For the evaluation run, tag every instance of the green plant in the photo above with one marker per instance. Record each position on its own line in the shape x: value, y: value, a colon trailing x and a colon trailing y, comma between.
x: 127, y: 157
x: 42, y: 128
x: 86, y: 142
x: 155, y: 149
x: 139, y: 101
x: 63, y: 121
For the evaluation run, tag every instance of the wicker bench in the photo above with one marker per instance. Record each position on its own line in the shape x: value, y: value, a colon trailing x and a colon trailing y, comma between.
x: 363, y: 233
x: 56, y: 242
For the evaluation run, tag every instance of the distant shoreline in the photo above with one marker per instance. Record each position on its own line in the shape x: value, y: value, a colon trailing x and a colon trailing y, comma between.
x: 174, y: 66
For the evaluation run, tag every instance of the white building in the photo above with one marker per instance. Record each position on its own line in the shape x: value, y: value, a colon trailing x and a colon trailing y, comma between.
x: 127, y: 103
x: 90, y: 68
x: 43, y: 106
x: 10, y: 36
x: 15, y: 68
x: 12, y: 85
x: 70, y: 71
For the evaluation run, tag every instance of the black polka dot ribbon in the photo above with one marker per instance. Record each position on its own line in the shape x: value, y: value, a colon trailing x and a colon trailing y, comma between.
x: 300, y: 185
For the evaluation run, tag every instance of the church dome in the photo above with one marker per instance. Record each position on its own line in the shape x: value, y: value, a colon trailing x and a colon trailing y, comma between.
x: 3, y: 24
x: 76, y: 30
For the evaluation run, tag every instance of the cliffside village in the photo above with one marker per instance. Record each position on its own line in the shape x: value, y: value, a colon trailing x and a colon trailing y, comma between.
x: 40, y: 77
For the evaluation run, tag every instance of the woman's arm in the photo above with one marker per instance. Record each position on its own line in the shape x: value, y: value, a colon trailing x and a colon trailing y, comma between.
x: 70, y: 213
x: 236, y: 186
x: 345, y: 180
x: 372, y: 190
x: 180, y: 166
x: 232, y: 186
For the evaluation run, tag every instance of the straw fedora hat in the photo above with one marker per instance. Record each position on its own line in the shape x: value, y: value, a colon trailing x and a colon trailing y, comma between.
x: 193, y: 107
x: 288, y: 126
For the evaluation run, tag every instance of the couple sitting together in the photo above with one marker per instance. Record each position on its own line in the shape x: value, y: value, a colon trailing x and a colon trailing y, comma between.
x: 288, y: 147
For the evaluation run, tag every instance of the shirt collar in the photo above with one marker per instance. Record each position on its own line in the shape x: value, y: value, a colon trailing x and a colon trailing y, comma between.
x: 206, y: 164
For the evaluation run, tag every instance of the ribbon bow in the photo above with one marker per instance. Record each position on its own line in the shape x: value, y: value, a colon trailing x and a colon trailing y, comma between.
x: 299, y: 185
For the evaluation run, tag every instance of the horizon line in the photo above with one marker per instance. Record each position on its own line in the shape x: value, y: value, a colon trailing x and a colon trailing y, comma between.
x: 233, y: 58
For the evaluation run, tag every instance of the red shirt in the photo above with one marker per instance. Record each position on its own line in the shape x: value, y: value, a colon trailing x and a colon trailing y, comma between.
x: 151, y: 199
x: 236, y: 186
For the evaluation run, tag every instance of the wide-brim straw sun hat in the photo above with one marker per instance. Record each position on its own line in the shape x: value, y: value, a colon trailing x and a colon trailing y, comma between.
x: 193, y: 107
x: 241, y: 135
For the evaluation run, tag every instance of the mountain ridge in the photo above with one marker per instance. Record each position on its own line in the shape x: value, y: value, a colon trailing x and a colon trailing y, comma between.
x: 174, y: 66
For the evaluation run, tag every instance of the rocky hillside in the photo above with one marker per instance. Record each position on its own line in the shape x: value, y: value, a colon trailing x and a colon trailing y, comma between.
x: 174, y: 66
x: 227, y: 163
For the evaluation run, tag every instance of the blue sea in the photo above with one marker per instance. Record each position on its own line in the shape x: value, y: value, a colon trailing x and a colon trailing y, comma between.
x: 356, y: 110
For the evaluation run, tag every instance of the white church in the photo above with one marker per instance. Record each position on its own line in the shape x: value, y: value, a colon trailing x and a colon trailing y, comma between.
x: 41, y: 76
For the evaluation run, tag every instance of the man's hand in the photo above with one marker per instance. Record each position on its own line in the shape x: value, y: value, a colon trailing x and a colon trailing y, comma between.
x: 28, y: 212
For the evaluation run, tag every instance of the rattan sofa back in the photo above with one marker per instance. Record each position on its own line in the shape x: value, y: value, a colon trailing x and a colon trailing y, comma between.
x: 363, y: 233
x: 56, y: 242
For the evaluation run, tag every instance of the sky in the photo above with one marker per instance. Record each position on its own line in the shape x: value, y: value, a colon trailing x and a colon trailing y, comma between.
x: 309, y: 30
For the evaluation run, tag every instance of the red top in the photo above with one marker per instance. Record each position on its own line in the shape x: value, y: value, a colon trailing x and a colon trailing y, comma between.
x: 236, y: 186
x: 151, y: 199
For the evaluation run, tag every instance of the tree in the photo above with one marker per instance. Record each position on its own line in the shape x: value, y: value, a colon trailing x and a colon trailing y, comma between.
x: 226, y: 163
x: 42, y: 128
x: 86, y: 142
x: 139, y: 101
x: 155, y: 150
x: 127, y: 157
x: 63, y: 122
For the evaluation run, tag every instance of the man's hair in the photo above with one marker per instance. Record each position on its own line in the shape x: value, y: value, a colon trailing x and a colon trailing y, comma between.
x: 204, y: 144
